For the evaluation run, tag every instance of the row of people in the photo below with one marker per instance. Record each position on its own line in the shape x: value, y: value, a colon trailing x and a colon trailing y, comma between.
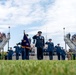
x: 22, y: 51
x: 60, y: 52
x: 39, y: 42
x: 18, y: 51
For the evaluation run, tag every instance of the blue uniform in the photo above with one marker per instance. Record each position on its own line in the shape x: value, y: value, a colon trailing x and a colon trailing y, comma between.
x: 50, y: 49
x: 39, y: 44
x: 63, y: 53
x: 17, y: 51
x: 23, y: 52
x: 10, y: 53
x: 26, y: 46
x: 27, y: 53
x: 58, y: 51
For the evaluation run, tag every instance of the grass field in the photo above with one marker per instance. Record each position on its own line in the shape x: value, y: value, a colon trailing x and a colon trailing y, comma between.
x: 35, y: 67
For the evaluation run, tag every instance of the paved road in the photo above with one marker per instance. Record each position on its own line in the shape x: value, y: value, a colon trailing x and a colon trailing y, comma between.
x: 35, y: 58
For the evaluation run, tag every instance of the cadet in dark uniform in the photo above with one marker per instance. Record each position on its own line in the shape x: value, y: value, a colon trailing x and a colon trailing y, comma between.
x: 63, y: 53
x: 22, y: 50
x: 50, y: 48
x: 17, y: 51
x: 10, y: 53
x: 39, y: 44
x: 26, y: 46
x: 58, y: 50
x: 27, y: 49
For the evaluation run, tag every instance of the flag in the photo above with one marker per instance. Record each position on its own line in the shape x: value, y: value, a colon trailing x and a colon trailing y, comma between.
x: 25, y: 42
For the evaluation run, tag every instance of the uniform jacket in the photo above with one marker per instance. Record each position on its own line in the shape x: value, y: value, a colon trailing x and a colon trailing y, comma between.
x: 63, y: 52
x: 17, y: 49
x: 39, y: 41
x: 10, y: 52
x: 58, y: 49
x: 50, y: 46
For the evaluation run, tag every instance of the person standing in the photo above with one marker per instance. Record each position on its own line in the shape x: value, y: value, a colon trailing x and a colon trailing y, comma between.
x: 58, y: 50
x: 10, y: 53
x: 50, y: 48
x: 63, y: 53
x: 25, y: 44
x: 38, y: 40
x: 17, y: 51
x: 28, y: 45
x: 22, y: 51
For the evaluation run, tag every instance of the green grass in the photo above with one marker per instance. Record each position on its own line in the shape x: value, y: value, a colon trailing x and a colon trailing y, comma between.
x: 35, y: 67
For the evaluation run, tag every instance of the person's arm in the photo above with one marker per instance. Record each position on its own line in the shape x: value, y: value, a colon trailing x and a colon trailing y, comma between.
x: 33, y: 41
x: 34, y: 38
x: 14, y: 47
x: 46, y: 43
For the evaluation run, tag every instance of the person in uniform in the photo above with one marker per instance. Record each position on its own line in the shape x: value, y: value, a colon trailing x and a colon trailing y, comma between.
x: 50, y: 48
x: 63, y: 53
x: 17, y: 51
x: 10, y: 53
x: 28, y: 49
x: 58, y: 50
x: 22, y: 51
x: 26, y: 46
x: 38, y: 40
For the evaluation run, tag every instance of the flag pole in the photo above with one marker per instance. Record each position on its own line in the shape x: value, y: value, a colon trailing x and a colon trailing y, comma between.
x: 9, y: 33
x: 64, y: 37
x: 24, y: 31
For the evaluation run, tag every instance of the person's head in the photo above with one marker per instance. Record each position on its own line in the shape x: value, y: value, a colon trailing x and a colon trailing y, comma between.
x: 58, y: 44
x: 50, y: 40
x: 10, y: 48
x: 39, y: 33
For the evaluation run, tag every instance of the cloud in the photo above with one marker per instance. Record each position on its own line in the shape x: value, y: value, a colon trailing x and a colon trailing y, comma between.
x: 21, y: 12
x: 61, y: 14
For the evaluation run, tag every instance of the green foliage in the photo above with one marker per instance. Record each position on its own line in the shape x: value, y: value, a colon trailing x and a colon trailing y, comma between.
x: 36, y: 67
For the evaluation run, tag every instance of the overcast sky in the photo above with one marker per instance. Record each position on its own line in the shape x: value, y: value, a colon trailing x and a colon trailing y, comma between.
x: 49, y: 16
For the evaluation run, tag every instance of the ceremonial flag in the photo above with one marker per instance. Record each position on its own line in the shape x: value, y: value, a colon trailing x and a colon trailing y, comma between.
x: 25, y: 42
